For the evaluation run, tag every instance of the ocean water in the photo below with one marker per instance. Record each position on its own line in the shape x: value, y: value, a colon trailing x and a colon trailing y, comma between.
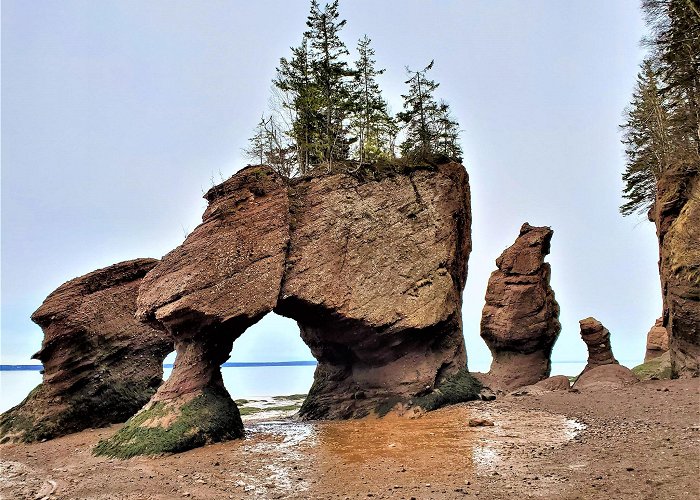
x: 241, y: 381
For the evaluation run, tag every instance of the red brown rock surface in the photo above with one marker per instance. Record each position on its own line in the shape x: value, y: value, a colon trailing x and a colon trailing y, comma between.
x: 657, y: 341
x: 374, y: 278
x: 676, y: 213
x: 597, y: 339
x: 223, y: 278
x: 372, y: 270
x: 609, y: 376
x: 555, y: 383
x: 100, y: 364
x: 520, y: 321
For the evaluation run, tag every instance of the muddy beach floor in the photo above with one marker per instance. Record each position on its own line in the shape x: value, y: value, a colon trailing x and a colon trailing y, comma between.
x: 642, y: 442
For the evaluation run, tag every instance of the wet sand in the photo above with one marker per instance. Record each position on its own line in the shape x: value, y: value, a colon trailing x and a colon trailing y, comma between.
x: 641, y: 442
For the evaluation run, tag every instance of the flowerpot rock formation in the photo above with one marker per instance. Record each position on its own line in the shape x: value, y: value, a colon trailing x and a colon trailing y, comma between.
x: 372, y: 269
x: 520, y: 321
x: 597, y: 340
x: 657, y: 341
x: 676, y: 212
x: 602, y: 369
x: 100, y: 364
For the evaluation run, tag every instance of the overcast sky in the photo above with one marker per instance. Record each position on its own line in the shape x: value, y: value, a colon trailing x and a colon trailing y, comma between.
x: 117, y: 115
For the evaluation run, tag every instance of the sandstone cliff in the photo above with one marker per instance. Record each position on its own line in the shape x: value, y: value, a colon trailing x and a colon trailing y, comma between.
x: 520, y: 320
x: 676, y: 213
x: 657, y: 341
x: 100, y: 364
x: 372, y: 271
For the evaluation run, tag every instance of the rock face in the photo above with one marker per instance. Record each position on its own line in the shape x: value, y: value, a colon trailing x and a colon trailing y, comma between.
x: 602, y: 369
x: 520, y: 321
x: 610, y: 376
x: 100, y: 364
x: 676, y: 213
x: 371, y: 270
x: 597, y: 339
x: 657, y: 341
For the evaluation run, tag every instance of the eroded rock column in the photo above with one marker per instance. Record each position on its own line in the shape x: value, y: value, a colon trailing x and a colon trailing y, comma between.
x: 676, y: 212
x: 374, y: 278
x: 224, y: 278
x: 100, y: 364
x: 602, y: 369
x: 657, y: 341
x: 520, y: 321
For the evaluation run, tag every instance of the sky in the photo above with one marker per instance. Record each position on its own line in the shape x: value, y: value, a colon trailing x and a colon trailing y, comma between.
x: 118, y: 115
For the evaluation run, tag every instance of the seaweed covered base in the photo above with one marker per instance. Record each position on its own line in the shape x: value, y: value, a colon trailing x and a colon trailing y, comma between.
x: 174, y: 426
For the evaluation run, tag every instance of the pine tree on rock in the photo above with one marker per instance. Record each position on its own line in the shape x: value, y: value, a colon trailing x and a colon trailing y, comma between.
x: 646, y: 142
x: 419, y: 115
x: 370, y: 118
x: 295, y: 80
x: 447, y: 133
x: 332, y: 78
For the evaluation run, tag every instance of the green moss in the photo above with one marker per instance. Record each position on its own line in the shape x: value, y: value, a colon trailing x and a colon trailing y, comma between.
x: 210, y: 417
x: 242, y: 401
x: 457, y: 388
x: 291, y: 397
x: 387, y: 405
x: 659, y: 368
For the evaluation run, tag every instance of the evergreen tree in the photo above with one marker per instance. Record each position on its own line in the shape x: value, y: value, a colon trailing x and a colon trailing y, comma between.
x: 420, y: 112
x: 646, y: 142
x: 331, y: 77
x: 447, y: 133
x: 370, y: 115
x: 270, y: 146
x: 662, y: 127
x: 295, y: 79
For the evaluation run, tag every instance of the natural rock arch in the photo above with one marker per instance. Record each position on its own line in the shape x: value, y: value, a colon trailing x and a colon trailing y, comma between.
x: 372, y: 271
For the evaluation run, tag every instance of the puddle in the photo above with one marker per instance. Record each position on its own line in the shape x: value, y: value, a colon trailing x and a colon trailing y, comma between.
x: 292, y: 452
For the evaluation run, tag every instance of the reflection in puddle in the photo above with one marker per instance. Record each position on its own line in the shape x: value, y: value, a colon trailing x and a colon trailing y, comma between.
x: 293, y: 452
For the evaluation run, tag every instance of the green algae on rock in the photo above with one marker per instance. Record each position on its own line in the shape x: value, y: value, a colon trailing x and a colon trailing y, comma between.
x: 172, y: 427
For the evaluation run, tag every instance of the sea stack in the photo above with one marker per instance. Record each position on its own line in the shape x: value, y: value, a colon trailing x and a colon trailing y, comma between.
x: 100, y: 364
x: 371, y: 267
x: 520, y: 321
x: 597, y: 339
x: 602, y: 369
x: 657, y: 341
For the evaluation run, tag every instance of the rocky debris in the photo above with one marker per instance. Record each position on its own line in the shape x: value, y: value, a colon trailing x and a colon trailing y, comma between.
x: 520, y: 321
x: 480, y: 422
x: 608, y: 376
x: 676, y: 212
x: 657, y: 341
x: 597, y: 339
x: 100, y: 364
x: 555, y: 383
x: 372, y: 271
x: 658, y: 368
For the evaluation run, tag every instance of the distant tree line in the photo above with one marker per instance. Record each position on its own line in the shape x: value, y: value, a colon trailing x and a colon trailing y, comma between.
x: 662, y: 123
x: 325, y: 111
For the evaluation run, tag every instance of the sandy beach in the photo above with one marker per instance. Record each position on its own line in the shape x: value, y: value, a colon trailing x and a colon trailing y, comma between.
x: 639, y: 442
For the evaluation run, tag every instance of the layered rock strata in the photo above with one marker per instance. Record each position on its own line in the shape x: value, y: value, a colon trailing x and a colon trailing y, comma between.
x: 602, y: 369
x: 597, y: 340
x: 657, y: 341
x: 676, y: 212
x: 100, y: 364
x: 371, y: 270
x: 520, y: 320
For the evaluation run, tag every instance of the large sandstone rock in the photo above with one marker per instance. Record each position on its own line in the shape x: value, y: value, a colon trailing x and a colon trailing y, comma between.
x: 657, y: 341
x: 597, y: 339
x: 609, y: 376
x: 374, y: 278
x: 100, y: 364
x: 676, y: 212
x: 372, y: 271
x: 224, y: 277
x: 520, y: 321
